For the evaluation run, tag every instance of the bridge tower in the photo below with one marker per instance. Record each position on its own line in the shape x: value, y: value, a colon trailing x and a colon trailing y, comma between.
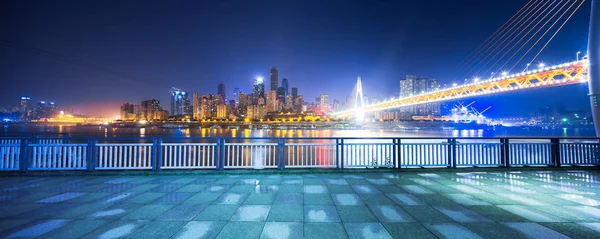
x: 359, y: 102
x: 594, y: 60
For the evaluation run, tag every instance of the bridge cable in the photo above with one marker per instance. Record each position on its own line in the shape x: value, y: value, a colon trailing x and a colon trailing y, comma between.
x: 546, y: 32
x: 557, y: 30
x: 495, y: 52
x: 492, y: 37
x: 523, y: 37
x: 520, y: 19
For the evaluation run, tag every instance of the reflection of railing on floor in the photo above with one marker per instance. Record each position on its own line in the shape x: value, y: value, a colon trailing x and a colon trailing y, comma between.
x: 24, y: 154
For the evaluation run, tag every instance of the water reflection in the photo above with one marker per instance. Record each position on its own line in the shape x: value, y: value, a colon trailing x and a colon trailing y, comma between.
x: 107, y: 131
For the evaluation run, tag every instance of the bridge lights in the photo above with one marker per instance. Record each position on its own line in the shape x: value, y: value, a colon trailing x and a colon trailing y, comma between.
x: 541, y: 65
x: 504, y: 73
x: 476, y: 79
x: 454, y: 84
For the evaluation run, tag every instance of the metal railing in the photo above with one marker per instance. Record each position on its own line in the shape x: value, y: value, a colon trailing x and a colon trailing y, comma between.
x: 33, y: 154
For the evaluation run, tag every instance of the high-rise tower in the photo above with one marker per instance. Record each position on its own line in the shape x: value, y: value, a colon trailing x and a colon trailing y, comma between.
x: 274, y: 78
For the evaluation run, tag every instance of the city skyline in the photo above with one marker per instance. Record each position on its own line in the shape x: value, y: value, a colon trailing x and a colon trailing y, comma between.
x: 381, y: 56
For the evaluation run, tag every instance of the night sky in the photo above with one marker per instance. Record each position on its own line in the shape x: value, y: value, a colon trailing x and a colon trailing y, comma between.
x: 129, y: 51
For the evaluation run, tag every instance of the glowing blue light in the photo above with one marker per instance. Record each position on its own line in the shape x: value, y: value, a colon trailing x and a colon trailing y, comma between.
x: 43, y: 102
x: 6, y: 119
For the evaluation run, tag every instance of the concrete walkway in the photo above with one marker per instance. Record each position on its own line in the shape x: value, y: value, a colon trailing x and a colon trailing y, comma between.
x: 510, y: 204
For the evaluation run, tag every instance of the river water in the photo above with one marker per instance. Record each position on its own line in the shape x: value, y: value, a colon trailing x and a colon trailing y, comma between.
x: 150, y: 132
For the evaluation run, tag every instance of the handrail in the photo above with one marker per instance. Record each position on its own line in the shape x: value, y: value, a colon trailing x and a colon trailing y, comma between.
x: 27, y: 154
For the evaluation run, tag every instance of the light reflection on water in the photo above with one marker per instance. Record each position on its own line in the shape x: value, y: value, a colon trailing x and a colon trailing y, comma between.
x: 102, y: 131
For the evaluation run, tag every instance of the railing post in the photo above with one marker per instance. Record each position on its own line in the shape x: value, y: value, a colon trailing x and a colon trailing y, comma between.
x: 153, y: 154
x: 452, y: 153
x: 217, y: 158
x: 159, y: 155
x: 504, y: 153
x: 555, y: 151
x: 91, y: 155
x: 222, y: 152
x: 23, y: 156
x: 341, y: 152
x: 281, y: 154
x: 337, y: 155
x: 397, y: 153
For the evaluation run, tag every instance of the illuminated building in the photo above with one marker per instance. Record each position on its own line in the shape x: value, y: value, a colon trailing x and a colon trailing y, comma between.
x: 179, y: 102
x: 274, y: 78
x: 196, y: 110
x: 205, y: 103
x: 160, y: 115
x: 148, y: 109
x: 259, y: 88
x: 256, y: 112
x: 298, y: 103
x: 324, y: 102
x: 222, y: 111
x: 289, y: 103
x: 271, y: 101
x: 243, y: 102
x: 127, y: 112
x: 45, y: 110
x: 23, y: 110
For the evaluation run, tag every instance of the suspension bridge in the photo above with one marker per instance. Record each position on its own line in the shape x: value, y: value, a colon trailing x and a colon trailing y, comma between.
x: 504, y: 52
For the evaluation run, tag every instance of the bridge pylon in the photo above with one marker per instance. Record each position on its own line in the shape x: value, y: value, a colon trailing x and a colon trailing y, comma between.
x: 359, y: 103
x: 594, y: 61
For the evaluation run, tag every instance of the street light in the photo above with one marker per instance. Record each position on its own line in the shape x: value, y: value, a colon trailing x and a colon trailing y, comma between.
x: 578, y: 55
x: 476, y: 79
x: 453, y: 84
x: 541, y: 65
x: 504, y: 73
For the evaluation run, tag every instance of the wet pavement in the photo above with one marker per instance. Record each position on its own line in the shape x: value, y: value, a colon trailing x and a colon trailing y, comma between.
x: 428, y: 204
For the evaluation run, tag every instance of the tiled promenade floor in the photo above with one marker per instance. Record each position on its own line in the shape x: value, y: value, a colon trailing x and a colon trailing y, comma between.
x: 494, y: 204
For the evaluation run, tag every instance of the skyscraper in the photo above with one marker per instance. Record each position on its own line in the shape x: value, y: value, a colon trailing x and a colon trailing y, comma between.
x: 178, y: 102
x: 259, y: 88
x: 294, y: 92
x: 196, y: 110
x: 274, y: 78
x: 222, y: 91
x: 23, y: 110
x: 284, y: 84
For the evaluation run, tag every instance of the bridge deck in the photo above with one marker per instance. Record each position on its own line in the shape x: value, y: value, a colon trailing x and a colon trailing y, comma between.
x: 498, y: 204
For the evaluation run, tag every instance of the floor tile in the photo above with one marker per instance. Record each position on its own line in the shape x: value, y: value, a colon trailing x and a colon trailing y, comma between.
x: 235, y: 230
x: 390, y: 213
x: 199, y: 229
x: 324, y: 230
x: 286, y: 213
x: 355, y: 214
x: 347, y: 199
x: 282, y: 230
x: 318, y: 213
x: 217, y: 213
x: 366, y: 230
x: 534, y: 230
x: 251, y: 213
